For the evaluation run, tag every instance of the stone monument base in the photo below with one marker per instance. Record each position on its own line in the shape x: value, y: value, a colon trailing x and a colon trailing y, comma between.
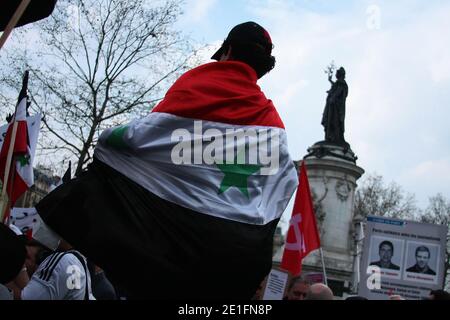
x: 332, y: 174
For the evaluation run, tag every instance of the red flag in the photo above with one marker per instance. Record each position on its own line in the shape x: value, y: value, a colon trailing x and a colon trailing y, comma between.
x: 302, y: 236
x: 16, y: 186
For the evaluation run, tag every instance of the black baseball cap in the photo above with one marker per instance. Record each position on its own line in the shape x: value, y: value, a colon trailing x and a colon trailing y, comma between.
x: 247, y: 32
x: 12, y: 254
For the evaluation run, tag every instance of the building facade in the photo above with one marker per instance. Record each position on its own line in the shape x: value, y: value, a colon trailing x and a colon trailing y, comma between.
x: 44, y: 182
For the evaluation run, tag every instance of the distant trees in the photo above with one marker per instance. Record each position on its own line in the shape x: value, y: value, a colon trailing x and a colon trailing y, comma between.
x: 374, y: 197
x: 438, y: 212
x: 97, y: 63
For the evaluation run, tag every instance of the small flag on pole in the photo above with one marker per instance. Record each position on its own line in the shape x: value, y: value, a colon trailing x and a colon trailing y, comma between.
x: 17, y: 150
x: 302, y: 236
x: 16, y: 144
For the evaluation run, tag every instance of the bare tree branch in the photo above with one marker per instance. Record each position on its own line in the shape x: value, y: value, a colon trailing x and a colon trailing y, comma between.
x: 98, y: 63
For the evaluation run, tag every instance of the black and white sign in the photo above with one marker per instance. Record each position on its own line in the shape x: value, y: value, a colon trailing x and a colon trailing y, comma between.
x: 403, y: 258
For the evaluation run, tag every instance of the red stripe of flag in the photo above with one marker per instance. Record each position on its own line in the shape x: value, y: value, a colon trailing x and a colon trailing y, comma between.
x: 224, y: 92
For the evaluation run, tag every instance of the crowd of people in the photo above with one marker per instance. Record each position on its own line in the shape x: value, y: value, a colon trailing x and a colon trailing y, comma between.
x: 238, y: 243
x: 46, y: 274
x: 301, y: 288
x: 65, y: 274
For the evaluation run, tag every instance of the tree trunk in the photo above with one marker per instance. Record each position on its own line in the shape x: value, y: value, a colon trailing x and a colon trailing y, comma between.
x: 85, y: 149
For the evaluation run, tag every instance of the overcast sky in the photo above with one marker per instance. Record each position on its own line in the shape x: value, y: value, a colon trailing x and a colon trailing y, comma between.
x: 397, y: 57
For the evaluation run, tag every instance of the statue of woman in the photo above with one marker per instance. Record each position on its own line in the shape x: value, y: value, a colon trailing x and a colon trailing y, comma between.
x: 334, y: 113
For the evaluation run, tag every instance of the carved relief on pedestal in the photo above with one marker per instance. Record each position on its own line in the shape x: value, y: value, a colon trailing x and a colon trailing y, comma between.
x: 318, y: 207
x: 343, y: 189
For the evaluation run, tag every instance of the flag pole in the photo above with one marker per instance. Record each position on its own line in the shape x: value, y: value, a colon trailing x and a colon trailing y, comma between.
x: 323, y: 268
x: 12, y: 23
x: 7, y: 213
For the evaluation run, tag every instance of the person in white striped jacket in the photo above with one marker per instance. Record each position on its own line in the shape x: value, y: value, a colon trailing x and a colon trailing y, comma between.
x: 54, y: 275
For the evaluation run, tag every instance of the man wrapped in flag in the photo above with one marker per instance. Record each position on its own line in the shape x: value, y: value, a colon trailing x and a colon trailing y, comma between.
x: 184, y: 202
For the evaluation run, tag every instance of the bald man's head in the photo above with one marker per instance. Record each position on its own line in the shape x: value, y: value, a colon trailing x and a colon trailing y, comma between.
x: 319, y: 291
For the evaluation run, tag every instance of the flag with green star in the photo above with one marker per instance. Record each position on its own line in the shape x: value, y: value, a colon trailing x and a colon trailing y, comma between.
x: 23, y: 175
x: 21, y: 169
x: 209, y: 152
x: 194, y: 189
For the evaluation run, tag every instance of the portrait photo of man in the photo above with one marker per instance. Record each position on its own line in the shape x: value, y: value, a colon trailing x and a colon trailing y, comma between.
x: 386, y: 252
x: 422, y: 255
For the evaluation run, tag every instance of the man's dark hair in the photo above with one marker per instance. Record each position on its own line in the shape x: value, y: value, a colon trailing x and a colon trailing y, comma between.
x: 43, y: 251
x: 252, y: 54
x: 388, y: 243
x: 298, y: 279
x: 250, y: 43
x: 440, y: 295
x: 423, y: 249
x: 356, y: 298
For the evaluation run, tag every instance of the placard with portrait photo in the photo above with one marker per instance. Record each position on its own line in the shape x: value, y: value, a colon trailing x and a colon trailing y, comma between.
x: 387, y: 254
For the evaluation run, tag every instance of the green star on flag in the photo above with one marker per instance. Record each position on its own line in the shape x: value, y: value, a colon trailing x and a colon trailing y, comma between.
x: 23, y: 160
x: 236, y: 175
x: 115, y: 139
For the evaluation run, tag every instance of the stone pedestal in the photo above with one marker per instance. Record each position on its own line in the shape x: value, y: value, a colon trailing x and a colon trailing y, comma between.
x: 332, y: 174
